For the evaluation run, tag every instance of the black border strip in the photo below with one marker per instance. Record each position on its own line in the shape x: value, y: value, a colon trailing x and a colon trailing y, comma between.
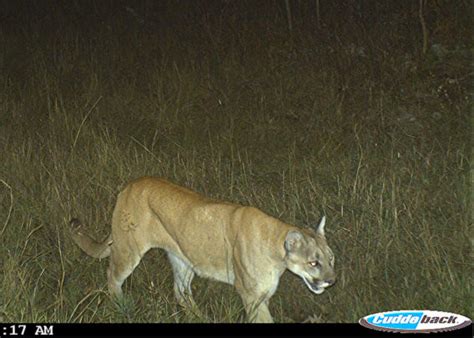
x: 217, y: 330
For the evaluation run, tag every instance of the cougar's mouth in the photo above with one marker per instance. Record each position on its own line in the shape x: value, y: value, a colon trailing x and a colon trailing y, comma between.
x: 317, y: 288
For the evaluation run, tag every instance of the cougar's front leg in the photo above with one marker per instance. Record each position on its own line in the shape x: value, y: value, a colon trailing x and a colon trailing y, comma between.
x: 255, y: 304
x: 255, y: 292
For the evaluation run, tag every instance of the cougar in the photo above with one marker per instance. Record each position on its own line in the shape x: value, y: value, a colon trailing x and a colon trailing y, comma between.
x: 227, y: 242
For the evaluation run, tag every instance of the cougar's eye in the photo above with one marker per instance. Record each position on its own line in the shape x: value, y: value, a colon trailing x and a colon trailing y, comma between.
x: 314, y: 264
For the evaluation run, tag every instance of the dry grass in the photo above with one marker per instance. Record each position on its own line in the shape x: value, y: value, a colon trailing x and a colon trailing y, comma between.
x: 378, y: 141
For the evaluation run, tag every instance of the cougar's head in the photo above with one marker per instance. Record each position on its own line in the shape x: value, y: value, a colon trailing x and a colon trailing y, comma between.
x: 309, y: 256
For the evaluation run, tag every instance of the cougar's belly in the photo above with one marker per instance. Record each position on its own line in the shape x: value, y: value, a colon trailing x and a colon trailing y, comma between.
x: 221, y: 275
x: 207, y: 266
x: 211, y: 262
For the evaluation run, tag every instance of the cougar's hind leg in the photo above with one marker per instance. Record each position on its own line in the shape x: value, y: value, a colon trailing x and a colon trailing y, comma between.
x: 121, y: 266
x: 183, y: 276
x: 125, y: 254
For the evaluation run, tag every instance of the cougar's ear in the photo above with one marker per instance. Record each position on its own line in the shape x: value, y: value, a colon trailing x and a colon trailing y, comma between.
x: 293, y: 240
x: 320, y: 227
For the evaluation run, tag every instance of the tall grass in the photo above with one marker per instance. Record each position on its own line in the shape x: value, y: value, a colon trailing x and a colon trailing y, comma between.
x: 376, y: 139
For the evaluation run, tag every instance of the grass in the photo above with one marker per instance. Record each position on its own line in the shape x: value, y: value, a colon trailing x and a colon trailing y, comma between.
x: 298, y: 126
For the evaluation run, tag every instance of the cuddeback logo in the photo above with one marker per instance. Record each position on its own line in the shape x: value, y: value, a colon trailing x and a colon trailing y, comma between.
x: 415, y: 321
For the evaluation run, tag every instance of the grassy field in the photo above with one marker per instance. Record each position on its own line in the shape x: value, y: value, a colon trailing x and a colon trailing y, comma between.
x: 346, y: 120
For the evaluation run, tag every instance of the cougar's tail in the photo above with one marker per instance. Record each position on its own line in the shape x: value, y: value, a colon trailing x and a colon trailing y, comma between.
x: 89, y: 245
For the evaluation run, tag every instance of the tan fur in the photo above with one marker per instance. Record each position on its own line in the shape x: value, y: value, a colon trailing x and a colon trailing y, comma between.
x: 227, y: 242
